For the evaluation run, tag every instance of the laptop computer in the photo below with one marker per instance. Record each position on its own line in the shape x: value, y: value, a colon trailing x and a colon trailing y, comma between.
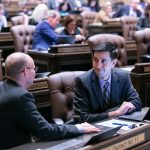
x: 66, y: 39
x: 137, y: 115
x: 77, y: 143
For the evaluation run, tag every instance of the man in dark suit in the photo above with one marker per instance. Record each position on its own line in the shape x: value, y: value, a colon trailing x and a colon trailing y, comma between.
x: 94, y: 101
x: 133, y: 9
x: 19, y: 118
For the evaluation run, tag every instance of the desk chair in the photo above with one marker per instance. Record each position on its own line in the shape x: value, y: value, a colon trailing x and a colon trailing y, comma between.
x: 61, y: 88
x: 18, y: 20
x: 22, y: 35
x: 114, y: 39
x: 87, y: 19
x: 129, y: 26
x: 142, y: 39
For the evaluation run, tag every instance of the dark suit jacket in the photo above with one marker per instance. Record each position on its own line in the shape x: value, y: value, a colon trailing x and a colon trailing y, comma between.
x: 124, y: 11
x: 19, y: 119
x: 89, y: 103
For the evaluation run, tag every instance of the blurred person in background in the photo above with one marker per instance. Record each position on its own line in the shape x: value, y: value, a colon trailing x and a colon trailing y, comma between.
x: 104, y: 14
x: 38, y: 14
x: 64, y: 9
x: 71, y: 28
x: 3, y: 20
x: 133, y: 9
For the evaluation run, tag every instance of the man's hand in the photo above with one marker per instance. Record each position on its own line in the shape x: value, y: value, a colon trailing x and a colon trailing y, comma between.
x: 87, y: 128
x: 123, y: 109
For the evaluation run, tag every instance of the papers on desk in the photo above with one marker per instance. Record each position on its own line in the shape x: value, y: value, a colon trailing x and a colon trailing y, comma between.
x: 110, y: 123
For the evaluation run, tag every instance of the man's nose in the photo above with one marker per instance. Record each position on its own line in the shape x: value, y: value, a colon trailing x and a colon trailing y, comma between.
x: 99, y: 64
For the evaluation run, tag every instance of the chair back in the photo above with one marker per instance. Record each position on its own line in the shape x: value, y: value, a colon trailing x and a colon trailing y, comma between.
x: 142, y: 39
x: 129, y: 26
x: 61, y: 87
x: 117, y: 40
x: 22, y: 35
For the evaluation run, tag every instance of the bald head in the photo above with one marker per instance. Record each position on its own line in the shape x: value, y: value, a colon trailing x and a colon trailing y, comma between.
x: 15, y: 63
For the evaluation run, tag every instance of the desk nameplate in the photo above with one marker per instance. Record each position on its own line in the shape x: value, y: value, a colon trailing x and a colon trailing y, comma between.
x: 69, y: 48
x: 38, y: 86
x: 126, y: 144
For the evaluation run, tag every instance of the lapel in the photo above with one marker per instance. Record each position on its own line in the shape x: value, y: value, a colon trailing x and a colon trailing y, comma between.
x: 97, y: 89
x: 115, y: 84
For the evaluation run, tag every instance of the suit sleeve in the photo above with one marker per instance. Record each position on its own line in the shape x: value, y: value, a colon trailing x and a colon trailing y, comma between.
x: 131, y: 94
x: 82, y: 104
x: 29, y: 118
x: 48, y: 32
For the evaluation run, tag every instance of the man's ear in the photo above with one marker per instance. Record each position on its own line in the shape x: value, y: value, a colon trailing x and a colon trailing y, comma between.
x: 114, y: 62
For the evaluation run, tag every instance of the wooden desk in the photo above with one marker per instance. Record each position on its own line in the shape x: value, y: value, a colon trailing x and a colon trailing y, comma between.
x: 140, y: 77
x: 94, y: 29
x: 40, y: 91
x: 6, y: 44
x: 131, y: 49
x: 137, y: 139
x: 63, y: 61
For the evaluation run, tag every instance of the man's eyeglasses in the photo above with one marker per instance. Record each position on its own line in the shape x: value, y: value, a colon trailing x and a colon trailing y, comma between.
x: 35, y: 69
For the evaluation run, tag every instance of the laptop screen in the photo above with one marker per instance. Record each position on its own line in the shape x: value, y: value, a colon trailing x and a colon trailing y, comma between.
x: 66, y: 39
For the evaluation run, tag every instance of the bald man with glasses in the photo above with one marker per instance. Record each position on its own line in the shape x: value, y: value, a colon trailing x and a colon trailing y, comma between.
x: 104, y: 91
x: 19, y: 117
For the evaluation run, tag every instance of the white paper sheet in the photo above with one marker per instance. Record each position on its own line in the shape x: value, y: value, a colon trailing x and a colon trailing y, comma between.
x: 110, y: 123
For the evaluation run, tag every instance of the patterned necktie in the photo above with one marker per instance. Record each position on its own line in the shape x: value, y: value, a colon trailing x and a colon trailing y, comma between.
x: 106, y: 93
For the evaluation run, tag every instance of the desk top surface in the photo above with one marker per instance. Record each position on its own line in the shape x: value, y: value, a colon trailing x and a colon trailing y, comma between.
x: 138, y: 132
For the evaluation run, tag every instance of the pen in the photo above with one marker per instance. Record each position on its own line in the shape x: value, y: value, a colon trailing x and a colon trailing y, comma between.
x: 119, y: 124
x: 129, y: 126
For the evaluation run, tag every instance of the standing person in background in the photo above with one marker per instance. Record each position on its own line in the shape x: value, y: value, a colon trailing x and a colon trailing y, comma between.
x: 19, y: 117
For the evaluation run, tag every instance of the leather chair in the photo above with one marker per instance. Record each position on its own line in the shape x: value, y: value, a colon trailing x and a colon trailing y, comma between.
x: 114, y: 39
x: 17, y: 20
x: 87, y: 19
x: 22, y: 35
x: 61, y: 88
x: 142, y: 39
x: 129, y: 26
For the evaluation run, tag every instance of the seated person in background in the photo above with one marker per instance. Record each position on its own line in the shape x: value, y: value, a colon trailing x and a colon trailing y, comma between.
x: 3, y: 21
x: 133, y: 9
x: 104, y: 91
x: 64, y: 8
x: 104, y: 14
x: 72, y: 29
x: 144, y: 22
x: 44, y: 35
x: 19, y: 117
x: 38, y: 14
